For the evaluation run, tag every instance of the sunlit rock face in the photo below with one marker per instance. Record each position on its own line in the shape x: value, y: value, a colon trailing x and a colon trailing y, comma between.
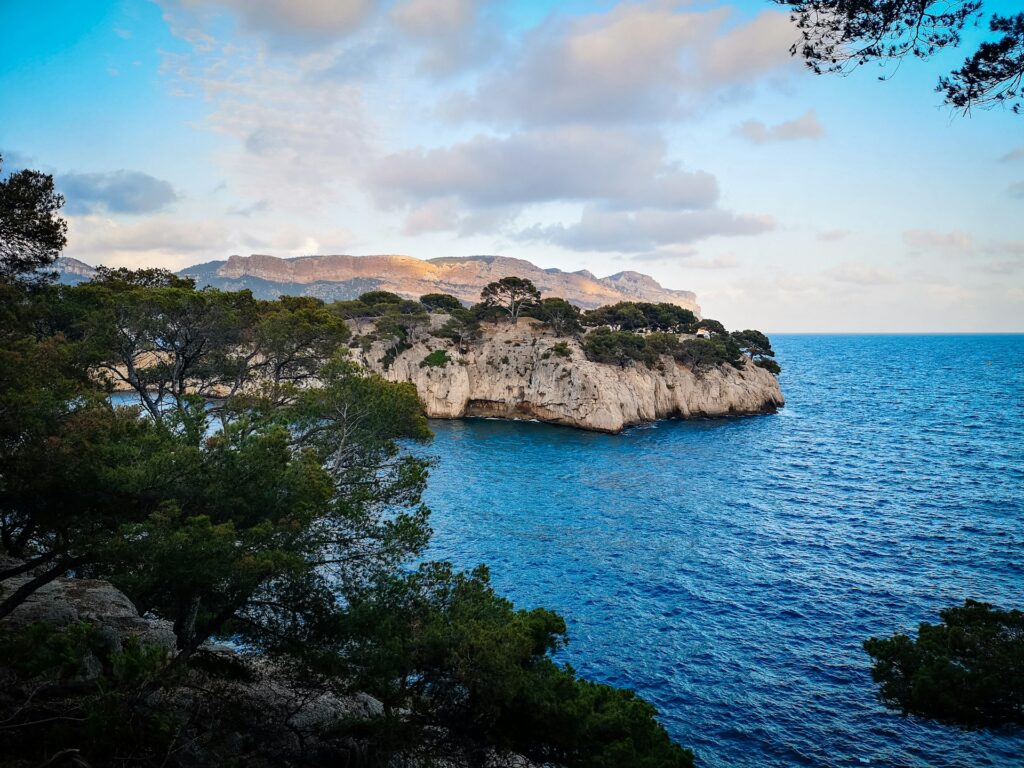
x: 411, y: 277
x: 345, y: 277
x: 513, y: 372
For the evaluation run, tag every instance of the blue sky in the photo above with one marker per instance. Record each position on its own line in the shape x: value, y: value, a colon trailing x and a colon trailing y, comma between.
x: 677, y: 139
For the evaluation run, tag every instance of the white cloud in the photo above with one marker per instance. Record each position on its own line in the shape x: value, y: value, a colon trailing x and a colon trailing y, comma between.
x: 451, y: 35
x: 806, y: 126
x: 833, y: 235
x: 636, y: 62
x: 115, y: 192
x: 686, y: 256
x: 859, y: 273
x: 577, y: 164
x: 156, y: 240
x: 298, y: 137
x: 290, y: 24
x: 948, y: 242
x: 645, y: 230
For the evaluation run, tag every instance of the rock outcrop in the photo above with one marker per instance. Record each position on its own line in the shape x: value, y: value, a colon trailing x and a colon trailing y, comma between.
x: 515, y: 372
x: 261, y: 714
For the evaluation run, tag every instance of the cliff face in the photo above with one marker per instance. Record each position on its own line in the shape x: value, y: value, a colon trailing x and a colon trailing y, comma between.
x: 329, y: 277
x: 72, y: 271
x: 514, y: 373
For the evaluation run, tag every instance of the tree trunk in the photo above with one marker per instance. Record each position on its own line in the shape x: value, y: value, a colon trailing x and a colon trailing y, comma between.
x: 22, y: 593
x: 26, y: 566
x: 185, y: 624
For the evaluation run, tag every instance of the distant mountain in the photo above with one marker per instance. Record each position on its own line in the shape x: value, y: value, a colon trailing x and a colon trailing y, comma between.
x: 345, y: 277
x: 72, y: 271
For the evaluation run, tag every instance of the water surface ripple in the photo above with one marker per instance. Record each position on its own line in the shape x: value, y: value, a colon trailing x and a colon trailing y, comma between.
x: 730, y: 569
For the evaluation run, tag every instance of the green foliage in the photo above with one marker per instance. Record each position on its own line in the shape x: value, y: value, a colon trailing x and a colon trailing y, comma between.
x: 125, y: 278
x: 41, y: 649
x: 436, y: 359
x: 967, y: 670
x: 462, y: 327
x: 705, y: 354
x: 394, y: 320
x: 662, y: 343
x: 711, y: 326
x: 512, y: 295
x: 557, y: 314
x: 82, y: 691
x: 561, y: 349
x: 839, y: 35
x: 759, y: 348
x: 294, y: 336
x: 199, y: 527
x: 32, y: 232
x: 603, y: 345
x: 488, y: 313
x: 440, y: 302
x: 378, y: 304
x: 375, y: 298
x: 461, y: 671
x: 637, y: 316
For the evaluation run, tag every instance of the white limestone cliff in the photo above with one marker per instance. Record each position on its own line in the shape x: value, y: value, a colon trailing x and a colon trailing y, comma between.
x: 512, y: 372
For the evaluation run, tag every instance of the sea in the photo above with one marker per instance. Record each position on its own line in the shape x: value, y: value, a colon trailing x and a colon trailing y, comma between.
x: 729, y: 570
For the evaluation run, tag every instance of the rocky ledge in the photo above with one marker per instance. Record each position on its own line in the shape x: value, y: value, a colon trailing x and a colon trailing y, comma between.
x: 516, y: 372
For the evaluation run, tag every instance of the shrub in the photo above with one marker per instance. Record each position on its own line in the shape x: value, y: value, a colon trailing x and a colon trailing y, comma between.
x: 712, y: 326
x: 436, y: 359
x: 662, y: 343
x: 603, y: 345
x: 758, y: 347
x: 701, y: 355
x: 483, y: 679
x: 630, y: 315
x: 561, y: 349
x: 90, y: 692
x: 557, y: 314
x: 440, y: 302
x: 967, y: 670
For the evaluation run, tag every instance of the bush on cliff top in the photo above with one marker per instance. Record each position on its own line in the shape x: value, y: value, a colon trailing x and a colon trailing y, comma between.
x: 436, y: 359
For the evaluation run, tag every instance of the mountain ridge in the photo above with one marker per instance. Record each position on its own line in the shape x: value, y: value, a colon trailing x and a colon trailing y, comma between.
x: 342, y: 276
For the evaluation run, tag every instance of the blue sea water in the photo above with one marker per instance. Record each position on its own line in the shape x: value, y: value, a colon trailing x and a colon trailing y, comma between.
x: 729, y: 570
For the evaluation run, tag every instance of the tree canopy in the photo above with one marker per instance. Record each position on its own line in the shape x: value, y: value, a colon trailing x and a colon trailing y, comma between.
x: 967, y: 670
x: 511, y: 294
x: 440, y: 302
x: 562, y: 317
x: 839, y: 35
x: 639, y: 315
x: 32, y: 233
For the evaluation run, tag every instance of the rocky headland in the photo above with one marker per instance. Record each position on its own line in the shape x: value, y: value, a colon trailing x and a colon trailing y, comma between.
x: 524, y: 371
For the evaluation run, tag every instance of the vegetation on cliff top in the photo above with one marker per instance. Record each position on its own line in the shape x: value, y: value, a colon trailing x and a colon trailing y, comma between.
x: 624, y: 334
